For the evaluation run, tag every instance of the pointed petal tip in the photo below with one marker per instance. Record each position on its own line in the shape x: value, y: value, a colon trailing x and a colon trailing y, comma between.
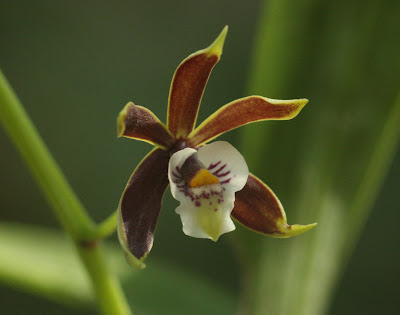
x: 214, y: 239
x: 135, y: 262
x: 216, y: 236
x: 216, y: 47
x: 303, y: 101
x: 293, y: 230
x: 121, y: 120
x: 294, y: 106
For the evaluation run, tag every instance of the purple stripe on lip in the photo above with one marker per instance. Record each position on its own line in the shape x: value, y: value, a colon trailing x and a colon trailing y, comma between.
x: 214, y: 165
x: 176, y: 175
x: 224, y: 174
x: 226, y: 181
x: 220, y: 169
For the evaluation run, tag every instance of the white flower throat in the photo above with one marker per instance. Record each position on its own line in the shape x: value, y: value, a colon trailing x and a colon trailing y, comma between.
x: 203, y: 186
x: 205, y: 182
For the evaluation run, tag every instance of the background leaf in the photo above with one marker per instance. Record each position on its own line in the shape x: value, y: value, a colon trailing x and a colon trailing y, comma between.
x: 330, y: 161
x: 42, y: 262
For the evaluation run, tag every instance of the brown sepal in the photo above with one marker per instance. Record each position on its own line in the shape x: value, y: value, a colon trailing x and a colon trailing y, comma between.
x: 187, y: 87
x: 244, y: 111
x: 141, y: 202
x: 140, y: 123
x: 187, y: 90
x: 257, y: 207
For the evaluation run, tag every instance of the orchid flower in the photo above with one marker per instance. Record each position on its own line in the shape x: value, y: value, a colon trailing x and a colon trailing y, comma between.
x: 211, y: 181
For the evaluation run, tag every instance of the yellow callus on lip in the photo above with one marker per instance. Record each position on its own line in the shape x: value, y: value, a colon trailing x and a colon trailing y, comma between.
x: 203, y: 177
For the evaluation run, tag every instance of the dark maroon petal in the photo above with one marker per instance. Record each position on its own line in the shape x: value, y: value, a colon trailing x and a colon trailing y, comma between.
x: 141, y: 203
x: 244, y: 111
x: 257, y: 208
x: 188, y: 85
x: 140, y: 123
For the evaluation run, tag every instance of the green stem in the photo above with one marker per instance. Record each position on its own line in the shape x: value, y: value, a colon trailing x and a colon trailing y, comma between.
x: 110, y: 297
x: 62, y: 199
x: 103, y: 229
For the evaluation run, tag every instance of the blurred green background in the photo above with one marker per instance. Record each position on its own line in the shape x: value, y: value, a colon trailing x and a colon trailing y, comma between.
x: 74, y: 65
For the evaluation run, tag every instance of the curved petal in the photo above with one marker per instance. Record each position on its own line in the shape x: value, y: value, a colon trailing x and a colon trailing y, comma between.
x: 257, y: 208
x: 139, y: 123
x: 225, y: 162
x: 188, y: 85
x: 244, y: 111
x: 174, y: 170
x: 140, y: 206
x: 205, y: 183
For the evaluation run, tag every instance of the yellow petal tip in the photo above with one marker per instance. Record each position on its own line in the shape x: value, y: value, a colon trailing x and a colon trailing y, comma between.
x: 295, y: 106
x: 121, y: 120
x: 134, y: 262
x: 303, y: 101
x: 300, y: 103
x: 293, y: 230
x: 216, y: 47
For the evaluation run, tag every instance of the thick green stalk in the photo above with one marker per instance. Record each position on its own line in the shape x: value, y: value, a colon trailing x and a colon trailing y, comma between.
x: 110, y: 297
x: 104, y: 229
x: 62, y: 199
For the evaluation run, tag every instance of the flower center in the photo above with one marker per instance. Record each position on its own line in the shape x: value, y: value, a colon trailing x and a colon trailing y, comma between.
x: 203, y: 177
x: 179, y: 144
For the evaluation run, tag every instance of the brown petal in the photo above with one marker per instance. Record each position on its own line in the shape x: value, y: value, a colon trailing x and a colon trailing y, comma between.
x: 257, y: 208
x: 188, y: 85
x: 140, y: 206
x: 244, y: 111
x: 138, y: 122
